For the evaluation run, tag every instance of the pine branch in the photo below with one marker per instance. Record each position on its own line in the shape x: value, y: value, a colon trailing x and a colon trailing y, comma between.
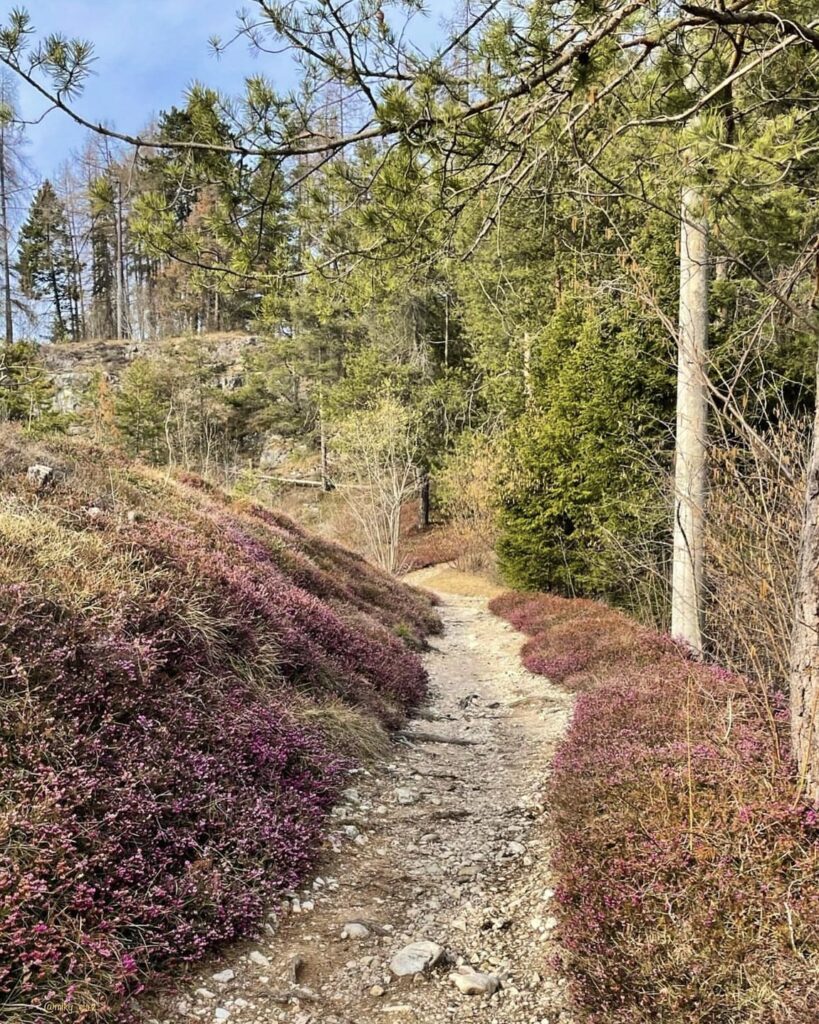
x: 755, y: 18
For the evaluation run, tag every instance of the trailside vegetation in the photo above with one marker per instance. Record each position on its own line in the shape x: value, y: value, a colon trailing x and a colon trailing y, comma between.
x: 687, y: 871
x: 186, y: 680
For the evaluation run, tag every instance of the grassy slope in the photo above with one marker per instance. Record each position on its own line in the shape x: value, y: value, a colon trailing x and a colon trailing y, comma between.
x: 688, y: 866
x: 184, y: 680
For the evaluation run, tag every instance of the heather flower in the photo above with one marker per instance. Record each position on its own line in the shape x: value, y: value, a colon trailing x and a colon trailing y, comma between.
x: 164, y: 785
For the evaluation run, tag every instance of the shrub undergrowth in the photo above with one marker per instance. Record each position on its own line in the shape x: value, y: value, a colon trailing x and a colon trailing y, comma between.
x: 185, y: 679
x: 688, y: 867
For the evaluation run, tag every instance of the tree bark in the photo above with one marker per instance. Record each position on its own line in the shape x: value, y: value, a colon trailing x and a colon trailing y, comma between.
x: 120, y: 257
x: 804, y: 676
x: 424, y: 503
x: 326, y: 482
x: 4, y: 227
x: 692, y: 438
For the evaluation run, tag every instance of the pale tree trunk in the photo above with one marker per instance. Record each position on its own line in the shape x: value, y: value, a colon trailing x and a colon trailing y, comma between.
x: 804, y: 680
x: 527, y: 370
x: 691, y: 441
x: 6, y: 255
x: 120, y: 257
x: 326, y: 483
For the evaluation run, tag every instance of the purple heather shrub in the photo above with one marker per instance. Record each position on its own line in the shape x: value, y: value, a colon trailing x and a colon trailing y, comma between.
x: 687, y: 864
x: 159, y: 788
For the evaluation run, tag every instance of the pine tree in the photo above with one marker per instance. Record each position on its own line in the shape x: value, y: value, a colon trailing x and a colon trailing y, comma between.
x: 27, y: 392
x: 46, y: 261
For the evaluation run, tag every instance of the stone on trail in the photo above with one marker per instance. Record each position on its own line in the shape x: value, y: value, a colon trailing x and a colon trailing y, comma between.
x: 405, y: 796
x: 223, y: 977
x: 354, y: 930
x: 416, y: 958
x: 259, y: 959
x: 473, y: 983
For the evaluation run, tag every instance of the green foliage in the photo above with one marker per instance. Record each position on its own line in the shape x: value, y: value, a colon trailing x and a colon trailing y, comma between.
x: 495, y: 253
x: 578, y: 486
x: 27, y: 393
x: 170, y: 410
x: 47, y: 264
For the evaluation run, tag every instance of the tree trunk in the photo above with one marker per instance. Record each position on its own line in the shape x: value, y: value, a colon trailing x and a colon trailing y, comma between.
x: 4, y: 227
x: 60, y: 330
x: 120, y: 269
x: 326, y: 483
x: 424, y: 503
x: 77, y: 291
x: 691, y: 441
x: 527, y: 370
x: 804, y: 676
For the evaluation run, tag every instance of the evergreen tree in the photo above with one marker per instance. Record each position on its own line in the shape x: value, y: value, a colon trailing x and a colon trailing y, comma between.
x: 27, y: 392
x: 46, y: 262
x: 103, y: 240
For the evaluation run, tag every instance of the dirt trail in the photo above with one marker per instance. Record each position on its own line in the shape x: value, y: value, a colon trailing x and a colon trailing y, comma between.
x: 447, y: 843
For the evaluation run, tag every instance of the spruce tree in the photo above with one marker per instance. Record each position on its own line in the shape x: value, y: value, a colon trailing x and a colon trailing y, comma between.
x: 46, y: 260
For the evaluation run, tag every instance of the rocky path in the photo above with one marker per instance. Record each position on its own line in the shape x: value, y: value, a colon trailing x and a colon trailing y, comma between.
x: 444, y: 850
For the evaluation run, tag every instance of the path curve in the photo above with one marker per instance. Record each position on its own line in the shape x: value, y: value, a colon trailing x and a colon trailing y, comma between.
x: 447, y: 843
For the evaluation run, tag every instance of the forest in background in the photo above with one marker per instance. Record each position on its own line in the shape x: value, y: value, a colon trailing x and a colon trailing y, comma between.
x: 465, y: 272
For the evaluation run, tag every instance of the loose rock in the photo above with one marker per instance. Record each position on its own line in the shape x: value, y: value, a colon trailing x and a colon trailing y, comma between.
x: 416, y: 958
x: 473, y: 983
x: 40, y: 476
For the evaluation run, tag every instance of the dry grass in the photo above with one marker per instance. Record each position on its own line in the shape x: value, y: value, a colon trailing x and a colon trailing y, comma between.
x: 449, y: 580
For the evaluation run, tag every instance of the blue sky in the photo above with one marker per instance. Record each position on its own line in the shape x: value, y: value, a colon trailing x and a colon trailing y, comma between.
x: 148, y: 52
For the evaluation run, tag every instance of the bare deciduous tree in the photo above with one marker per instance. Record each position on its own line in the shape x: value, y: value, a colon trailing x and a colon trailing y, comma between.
x: 375, y: 459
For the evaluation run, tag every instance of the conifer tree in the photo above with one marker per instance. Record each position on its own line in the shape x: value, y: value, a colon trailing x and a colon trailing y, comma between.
x: 46, y: 261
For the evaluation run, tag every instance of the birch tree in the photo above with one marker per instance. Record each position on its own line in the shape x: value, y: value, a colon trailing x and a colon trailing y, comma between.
x: 11, y: 184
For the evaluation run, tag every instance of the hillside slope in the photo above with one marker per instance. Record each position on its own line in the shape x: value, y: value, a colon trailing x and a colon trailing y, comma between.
x: 184, y: 680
